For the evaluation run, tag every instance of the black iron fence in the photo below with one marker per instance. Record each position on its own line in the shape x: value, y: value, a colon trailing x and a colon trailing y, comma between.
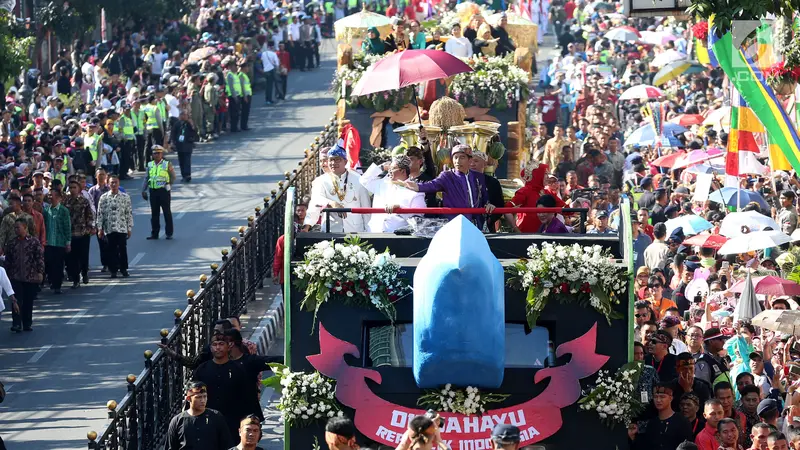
x: 140, y: 420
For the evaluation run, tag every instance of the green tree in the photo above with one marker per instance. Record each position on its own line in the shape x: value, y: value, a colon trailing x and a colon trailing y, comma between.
x: 14, y: 49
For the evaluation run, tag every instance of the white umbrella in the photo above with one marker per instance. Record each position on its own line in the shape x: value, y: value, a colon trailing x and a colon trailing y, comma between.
x: 641, y: 92
x: 781, y: 321
x: 720, y: 116
x: 733, y: 223
x: 691, y: 224
x: 662, y: 59
x: 748, y: 306
x: 622, y: 34
x: 757, y: 240
x: 657, y: 37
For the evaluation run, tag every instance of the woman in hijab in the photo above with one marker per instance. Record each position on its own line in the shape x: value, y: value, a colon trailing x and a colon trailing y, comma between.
x: 373, y: 45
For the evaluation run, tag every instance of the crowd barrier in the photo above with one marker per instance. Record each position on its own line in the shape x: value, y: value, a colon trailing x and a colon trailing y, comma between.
x: 140, y: 420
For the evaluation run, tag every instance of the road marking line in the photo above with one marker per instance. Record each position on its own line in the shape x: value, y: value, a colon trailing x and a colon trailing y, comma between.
x: 108, y: 288
x: 201, y: 194
x: 215, y: 177
x: 180, y: 216
x: 39, y: 354
x: 77, y: 317
x: 8, y: 388
x: 136, y: 259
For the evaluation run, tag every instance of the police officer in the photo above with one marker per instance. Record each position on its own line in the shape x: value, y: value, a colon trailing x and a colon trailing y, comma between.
x: 158, y: 182
x: 153, y: 121
x: 505, y: 437
x: 124, y: 131
x: 137, y: 114
x: 247, y: 94
x: 233, y: 89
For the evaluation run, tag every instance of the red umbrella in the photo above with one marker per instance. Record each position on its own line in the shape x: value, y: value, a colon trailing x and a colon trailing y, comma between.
x: 687, y: 120
x: 769, y: 285
x: 667, y: 160
x: 409, y: 67
x: 714, y: 241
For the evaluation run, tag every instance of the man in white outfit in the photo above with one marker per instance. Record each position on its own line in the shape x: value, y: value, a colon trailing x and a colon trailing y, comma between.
x: 339, y: 188
x: 388, y: 194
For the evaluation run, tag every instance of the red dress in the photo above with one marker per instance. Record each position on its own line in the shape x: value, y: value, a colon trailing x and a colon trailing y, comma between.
x: 527, y: 196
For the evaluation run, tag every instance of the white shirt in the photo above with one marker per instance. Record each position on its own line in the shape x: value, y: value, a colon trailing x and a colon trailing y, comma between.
x: 5, y: 287
x: 387, y: 193
x: 269, y: 60
x: 88, y: 73
x: 460, y: 47
x: 324, y: 193
x: 678, y: 347
x: 294, y: 32
x: 172, y: 105
x: 158, y: 60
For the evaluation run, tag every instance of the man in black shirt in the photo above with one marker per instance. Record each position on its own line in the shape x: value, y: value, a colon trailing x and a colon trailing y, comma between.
x: 198, y: 428
x: 667, y: 430
x: 660, y: 358
x: 686, y: 383
x: 249, y: 433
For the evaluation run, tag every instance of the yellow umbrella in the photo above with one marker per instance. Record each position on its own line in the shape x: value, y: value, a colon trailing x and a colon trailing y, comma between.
x: 355, y: 26
x: 674, y: 70
x: 522, y: 31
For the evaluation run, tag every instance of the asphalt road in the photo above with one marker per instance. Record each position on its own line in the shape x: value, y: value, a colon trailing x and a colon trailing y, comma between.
x: 85, y: 342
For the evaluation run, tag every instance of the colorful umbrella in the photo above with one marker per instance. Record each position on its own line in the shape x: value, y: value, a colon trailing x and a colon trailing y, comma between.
x: 623, y: 34
x: 687, y: 120
x: 769, y: 285
x: 697, y: 157
x: 706, y: 240
x: 667, y: 160
x: 675, y: 69
x: 757, y: 240
x: 734, y: 223
x: 691, y: 224
x: 641, y: 92
x: 657, y: 37
x: 646, y: 135
x: 729, y: 196
x: 669, y: 56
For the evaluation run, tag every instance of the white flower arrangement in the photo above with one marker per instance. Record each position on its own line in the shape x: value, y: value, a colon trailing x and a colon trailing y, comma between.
x: 467, y: 401
x: 352, y: 272
x: 495, y: 82
x: 305, y: 397
x: 615, y: 398
x: 569, y: 273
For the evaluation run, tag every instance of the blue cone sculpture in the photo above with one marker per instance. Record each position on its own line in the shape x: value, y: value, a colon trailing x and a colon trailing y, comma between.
x: 459, y: 311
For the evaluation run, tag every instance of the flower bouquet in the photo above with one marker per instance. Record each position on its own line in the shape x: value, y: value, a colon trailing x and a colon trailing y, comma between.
x: 700, y: 30
x: 305, y: 397
x: 346, y: 77
x: 352, y: 272
x: 782, y: 78
x: 467, y: 401
x: 495, y: 82
x: 614, y: 398
x: 586, y: 275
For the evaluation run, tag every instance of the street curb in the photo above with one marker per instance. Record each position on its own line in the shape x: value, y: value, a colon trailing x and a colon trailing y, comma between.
x: 269, y: 329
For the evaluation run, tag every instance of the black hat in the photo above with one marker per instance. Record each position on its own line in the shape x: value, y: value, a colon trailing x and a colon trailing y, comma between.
x: 505, y: 434
x: 767, y: 405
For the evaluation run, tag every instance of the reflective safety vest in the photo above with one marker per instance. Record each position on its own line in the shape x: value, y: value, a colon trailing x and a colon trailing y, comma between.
x: 244, y: 82
x: 92, y: 143
x: 152, y: 121
x: 231, y: 80
x: 162, y: 108
x: 124, y: 125
x: 158, y: 174
x: 138, y: 121
x: 329, y: 7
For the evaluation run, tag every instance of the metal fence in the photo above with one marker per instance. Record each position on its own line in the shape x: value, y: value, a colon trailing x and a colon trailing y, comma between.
x: 140, y: 420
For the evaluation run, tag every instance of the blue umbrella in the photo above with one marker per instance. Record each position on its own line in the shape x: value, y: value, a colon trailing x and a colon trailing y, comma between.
x: 646, y: 135
x: 729, y: 196
x: 691, y: 224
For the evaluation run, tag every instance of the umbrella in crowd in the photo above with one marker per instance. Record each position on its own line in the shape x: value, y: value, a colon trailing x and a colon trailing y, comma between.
x: 691, y: 224
x: 657, y: 37
x: 707, y: 168
x: 769, y: 285
x: 731, y: 195
x: 667, y: 160
x: 706, y: 240
x: 201, y: 54
x: 719, y: 117
x: 667, y: 57
x: 757, y: 240
x: 687, y: 120
x: 748, y: 306
x: 697, y: 157
x: 736, y: 223
x: 675, y: 69
x: 646, y: 135
x: 623, y: 34
x: 641, y: 92
x: 355, y: 26
x: 780, y: 321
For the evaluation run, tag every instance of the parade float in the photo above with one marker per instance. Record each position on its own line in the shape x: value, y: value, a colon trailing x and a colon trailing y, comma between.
x: 532, y: 330
x: 495, y: 90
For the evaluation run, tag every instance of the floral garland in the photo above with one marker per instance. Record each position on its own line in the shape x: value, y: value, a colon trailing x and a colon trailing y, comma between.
x: 352, y: 272
x: 467, y: 401
x: 305, y: 397
x: 779, y: 73
x: 614, y: 398
x: 379, y: 101
x: 569, y: 273
x: 495, y: 82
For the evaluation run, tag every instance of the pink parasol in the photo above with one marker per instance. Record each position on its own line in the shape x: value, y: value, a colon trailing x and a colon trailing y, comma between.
x: 769, y: 285
x: 687, y: 120
x: 697, y: 157
x: 668, y: 160
x: 714, y: 241
x: 641, y: 92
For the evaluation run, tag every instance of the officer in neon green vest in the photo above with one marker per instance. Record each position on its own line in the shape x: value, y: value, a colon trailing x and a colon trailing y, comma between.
x: 157, y: 186
x: 137, y: 114
x: 247, y: 94
x: 153, y: 121
x: 125, y: 134
x: 92, y: 141
x: 233, y: 89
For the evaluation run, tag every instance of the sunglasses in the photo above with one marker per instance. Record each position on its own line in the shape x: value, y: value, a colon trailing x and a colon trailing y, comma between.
x: 640, y: 315
x: 655, y: 286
